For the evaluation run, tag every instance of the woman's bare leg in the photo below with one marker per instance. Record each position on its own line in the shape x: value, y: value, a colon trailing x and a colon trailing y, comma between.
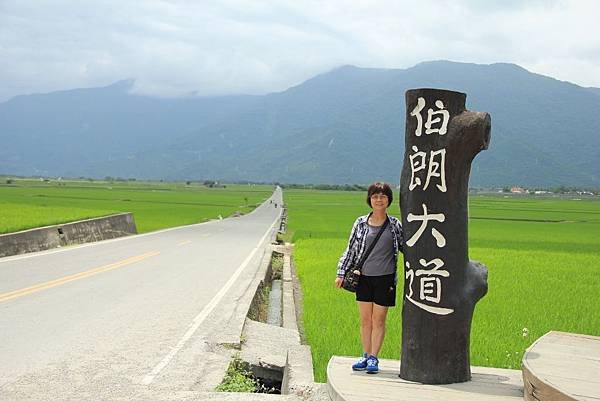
x: 378, y: 314
x: 365, y: 310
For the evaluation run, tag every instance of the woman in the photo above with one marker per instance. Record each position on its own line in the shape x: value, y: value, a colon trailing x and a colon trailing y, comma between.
x: 377, y: 285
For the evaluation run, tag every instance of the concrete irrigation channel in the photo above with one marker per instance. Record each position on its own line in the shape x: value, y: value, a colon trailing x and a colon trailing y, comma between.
x: 273, y: 350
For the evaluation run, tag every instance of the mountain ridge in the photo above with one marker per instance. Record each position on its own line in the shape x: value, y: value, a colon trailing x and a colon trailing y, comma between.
x: 322, y: 131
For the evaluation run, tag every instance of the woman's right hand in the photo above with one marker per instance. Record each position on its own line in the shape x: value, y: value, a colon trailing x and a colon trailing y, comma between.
x: 338, y: 282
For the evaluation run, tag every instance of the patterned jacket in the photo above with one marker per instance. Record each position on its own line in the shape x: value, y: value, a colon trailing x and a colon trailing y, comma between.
x: 358, y: 240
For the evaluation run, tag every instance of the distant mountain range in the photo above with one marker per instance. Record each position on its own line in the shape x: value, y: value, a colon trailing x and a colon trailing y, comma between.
x: 344, y: 126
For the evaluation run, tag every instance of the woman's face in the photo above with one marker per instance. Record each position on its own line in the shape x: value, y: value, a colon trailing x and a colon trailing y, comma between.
x: 379, y: 201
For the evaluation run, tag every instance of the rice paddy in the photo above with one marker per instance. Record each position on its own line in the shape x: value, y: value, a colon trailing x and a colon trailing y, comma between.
x: 543, y: 259
x: 28, y: 203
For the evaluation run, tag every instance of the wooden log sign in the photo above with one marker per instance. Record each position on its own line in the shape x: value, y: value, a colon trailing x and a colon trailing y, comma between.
x: 441, y: 285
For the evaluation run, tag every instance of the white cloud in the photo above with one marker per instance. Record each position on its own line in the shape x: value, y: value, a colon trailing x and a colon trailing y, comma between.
x: 177, y: 47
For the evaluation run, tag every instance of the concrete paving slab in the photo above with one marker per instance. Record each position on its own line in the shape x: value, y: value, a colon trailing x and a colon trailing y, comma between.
x: 289, y: 307
x: 266, y: 345
x: 195, y: 396
x: 298, y: 375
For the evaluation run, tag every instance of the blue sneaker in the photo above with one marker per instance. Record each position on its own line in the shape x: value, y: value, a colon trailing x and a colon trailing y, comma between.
x: 372, y: 364
x: 361, y: 364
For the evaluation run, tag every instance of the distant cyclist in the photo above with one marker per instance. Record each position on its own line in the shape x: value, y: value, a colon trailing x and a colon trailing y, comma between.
x: 377, y: 285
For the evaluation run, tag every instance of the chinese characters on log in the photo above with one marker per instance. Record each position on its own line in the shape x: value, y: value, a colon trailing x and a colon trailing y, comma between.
x: 428, y: 172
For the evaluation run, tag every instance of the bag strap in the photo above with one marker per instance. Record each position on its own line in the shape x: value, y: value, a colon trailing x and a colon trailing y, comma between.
x: 368, y: 251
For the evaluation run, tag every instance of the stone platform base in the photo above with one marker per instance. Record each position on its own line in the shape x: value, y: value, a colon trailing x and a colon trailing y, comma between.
x: 487, y: 384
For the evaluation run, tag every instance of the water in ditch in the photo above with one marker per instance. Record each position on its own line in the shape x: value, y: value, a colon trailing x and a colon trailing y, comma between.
x: 274, y: 311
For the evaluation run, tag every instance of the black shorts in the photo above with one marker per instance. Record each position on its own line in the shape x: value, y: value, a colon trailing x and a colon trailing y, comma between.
x: 378, y: 289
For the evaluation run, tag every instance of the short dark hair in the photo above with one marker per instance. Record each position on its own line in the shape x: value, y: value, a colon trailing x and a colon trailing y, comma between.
x: 380, y: 188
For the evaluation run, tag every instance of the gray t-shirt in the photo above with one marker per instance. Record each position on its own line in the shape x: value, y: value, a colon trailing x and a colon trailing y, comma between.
x: 381, y: 261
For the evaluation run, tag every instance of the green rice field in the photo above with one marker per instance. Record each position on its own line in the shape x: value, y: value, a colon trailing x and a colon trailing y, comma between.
x: 543, y: 259
x: 29, y: 203
x: 542, y: 254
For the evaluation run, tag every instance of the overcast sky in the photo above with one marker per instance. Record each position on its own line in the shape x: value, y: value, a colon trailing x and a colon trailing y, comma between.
x: 174, y: 48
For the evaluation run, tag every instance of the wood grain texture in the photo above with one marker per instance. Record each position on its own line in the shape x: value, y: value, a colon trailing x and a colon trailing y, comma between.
x: 562, y: 367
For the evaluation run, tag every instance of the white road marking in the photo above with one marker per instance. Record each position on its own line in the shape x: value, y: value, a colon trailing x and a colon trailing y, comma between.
x: 204, y: 313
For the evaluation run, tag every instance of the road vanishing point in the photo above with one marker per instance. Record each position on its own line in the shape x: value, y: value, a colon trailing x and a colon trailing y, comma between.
x: 130, y: 318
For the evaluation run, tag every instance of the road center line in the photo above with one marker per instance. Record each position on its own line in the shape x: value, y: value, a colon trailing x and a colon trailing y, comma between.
x: 197, y: 321
x: 67, y: 279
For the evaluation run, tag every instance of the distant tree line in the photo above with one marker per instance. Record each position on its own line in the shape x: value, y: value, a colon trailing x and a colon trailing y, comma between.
x: 561, y: 189
x: 326, y: 187
x: 116, y: 179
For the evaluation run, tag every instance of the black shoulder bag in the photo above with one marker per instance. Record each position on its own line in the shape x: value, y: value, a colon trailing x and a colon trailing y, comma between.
x: 352, y: 275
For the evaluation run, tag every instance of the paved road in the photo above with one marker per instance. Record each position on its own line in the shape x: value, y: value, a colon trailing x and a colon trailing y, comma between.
x: 99, y: 320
